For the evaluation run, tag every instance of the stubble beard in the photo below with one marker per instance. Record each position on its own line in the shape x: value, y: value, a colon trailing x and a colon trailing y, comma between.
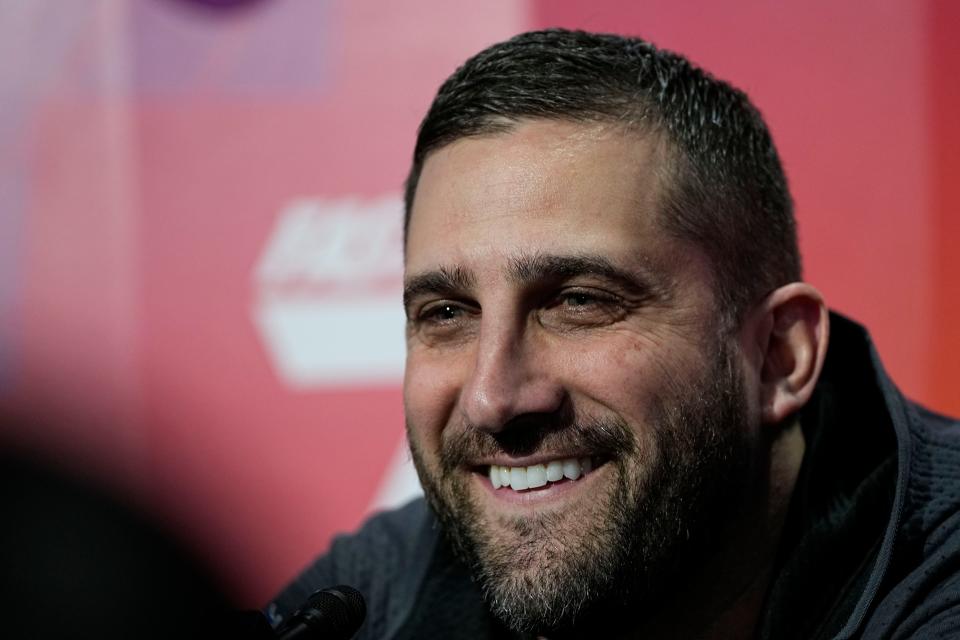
x: 615, y: 560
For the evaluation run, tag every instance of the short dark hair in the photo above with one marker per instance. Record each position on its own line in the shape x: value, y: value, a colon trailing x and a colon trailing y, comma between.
x: 725, y: 188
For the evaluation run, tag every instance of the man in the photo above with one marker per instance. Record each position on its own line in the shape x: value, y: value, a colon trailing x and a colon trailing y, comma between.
x: 618, y: 391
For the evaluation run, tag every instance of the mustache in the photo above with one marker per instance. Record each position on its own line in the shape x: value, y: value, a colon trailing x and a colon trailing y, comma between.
x: 525, y: 435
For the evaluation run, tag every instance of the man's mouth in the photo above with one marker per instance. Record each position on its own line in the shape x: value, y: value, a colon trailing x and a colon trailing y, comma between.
x: 536, y: 476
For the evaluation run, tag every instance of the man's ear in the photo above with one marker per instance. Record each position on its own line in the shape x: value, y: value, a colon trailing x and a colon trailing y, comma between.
x: 792, y: 334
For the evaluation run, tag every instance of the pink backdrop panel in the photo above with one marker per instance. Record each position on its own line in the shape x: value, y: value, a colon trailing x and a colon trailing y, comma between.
x: 69, y: 344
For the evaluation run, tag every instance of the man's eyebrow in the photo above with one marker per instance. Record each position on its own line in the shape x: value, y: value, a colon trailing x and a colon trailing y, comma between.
x: 445, y: 280
x: 540, y: 267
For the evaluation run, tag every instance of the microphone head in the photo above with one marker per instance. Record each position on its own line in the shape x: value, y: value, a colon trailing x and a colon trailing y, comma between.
x: 334, y: 613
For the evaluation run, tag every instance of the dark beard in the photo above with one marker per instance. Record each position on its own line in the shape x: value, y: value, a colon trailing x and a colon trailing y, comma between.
x: 652, y: 528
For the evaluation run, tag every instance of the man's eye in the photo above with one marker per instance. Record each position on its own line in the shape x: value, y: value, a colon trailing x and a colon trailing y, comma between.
x: 582, y: 308
x: 582, y: 300
x: 579, y: 300
x: 442, y: 316
x: 443, y: 321
x: 444, y: 312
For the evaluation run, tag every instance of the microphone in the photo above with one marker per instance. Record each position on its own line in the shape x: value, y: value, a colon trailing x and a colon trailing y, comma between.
x: 329, y: 614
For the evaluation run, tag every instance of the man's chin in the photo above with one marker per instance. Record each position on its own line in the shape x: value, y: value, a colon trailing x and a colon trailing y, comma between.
x: 542, y: 567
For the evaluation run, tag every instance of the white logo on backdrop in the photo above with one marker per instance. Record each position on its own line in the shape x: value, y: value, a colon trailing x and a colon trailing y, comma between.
x: 328, y: 293
x: 328, y: 306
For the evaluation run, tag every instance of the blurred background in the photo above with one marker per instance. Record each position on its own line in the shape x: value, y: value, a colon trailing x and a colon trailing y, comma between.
x: 200, y: 219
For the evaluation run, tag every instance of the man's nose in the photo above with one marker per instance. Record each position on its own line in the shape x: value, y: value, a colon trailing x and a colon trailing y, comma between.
x: 511, y: 378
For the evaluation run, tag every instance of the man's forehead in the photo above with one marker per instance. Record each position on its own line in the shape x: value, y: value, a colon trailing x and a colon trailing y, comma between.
x: 541, y: 178
x: 538, y: 141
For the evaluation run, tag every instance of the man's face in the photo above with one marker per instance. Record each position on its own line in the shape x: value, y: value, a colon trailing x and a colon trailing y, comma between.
x: 576, y: 417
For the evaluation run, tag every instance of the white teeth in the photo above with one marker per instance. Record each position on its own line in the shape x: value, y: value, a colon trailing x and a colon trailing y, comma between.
x: 538, y: 475
x: 518, y: 478
x: 495, y: 476
x: 554, y: 471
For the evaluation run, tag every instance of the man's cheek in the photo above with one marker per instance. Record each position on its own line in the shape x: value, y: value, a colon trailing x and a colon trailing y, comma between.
x: 432, y: 382
x: 428, y: 403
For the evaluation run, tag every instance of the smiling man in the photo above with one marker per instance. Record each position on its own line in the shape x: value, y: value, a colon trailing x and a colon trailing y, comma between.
x: 619, y: 394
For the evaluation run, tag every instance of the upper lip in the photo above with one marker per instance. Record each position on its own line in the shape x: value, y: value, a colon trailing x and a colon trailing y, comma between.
x: 530, y: 460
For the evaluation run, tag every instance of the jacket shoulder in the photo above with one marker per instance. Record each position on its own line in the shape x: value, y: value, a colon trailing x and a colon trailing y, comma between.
x: 385, y: 560
x: 923, y: 600
x: 933, y: 496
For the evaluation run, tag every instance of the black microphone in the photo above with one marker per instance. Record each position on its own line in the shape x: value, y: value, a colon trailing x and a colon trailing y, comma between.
x: 329, y: 614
